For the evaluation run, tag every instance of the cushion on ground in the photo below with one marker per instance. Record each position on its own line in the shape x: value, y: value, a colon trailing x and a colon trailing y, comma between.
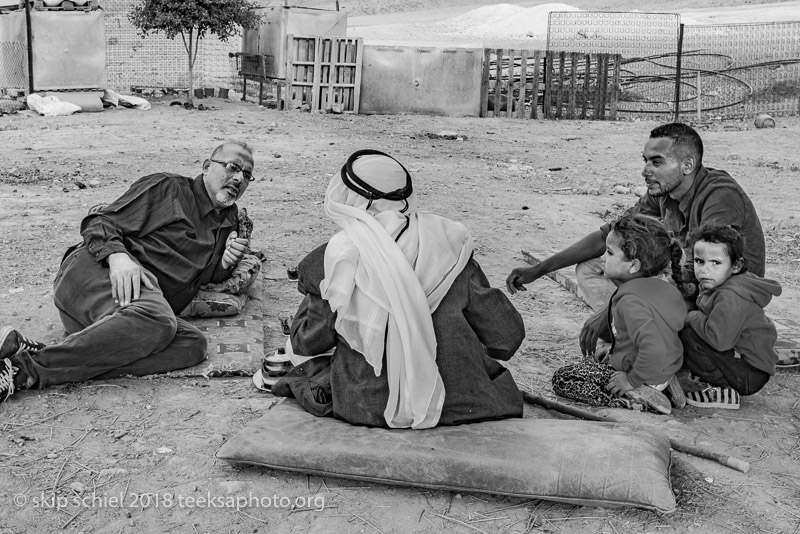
x: 570, y: 461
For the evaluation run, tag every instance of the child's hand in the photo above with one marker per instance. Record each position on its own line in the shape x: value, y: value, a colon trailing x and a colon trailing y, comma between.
x: 618, y: 385
x: 601, y: 354
x: 693, y: 313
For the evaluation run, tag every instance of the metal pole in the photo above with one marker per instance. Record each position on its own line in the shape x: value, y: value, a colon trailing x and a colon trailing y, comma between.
x: 699, y: 94
x: 679, y: 54
x: 30, y: 45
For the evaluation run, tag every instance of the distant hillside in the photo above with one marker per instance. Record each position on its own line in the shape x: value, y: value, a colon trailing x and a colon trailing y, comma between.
x: 380, y: 7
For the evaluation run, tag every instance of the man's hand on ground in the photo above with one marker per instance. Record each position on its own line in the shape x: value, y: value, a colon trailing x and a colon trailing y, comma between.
x: 235, y: 248
x: 126, y: 278
x: 593, y: 329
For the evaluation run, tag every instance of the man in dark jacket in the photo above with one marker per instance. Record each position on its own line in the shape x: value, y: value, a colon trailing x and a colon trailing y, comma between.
x: 142, y: 260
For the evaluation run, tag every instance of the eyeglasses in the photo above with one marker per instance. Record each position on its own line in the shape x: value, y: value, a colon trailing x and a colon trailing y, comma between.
x: 235, y: 168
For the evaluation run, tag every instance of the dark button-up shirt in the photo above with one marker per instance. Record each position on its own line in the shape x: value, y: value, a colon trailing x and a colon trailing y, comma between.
x: 713, y: 197
x: 167, y: 224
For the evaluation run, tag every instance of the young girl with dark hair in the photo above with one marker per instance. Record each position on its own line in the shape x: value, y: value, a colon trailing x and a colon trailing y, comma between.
x: 729, y: 342
x: 645, y: 316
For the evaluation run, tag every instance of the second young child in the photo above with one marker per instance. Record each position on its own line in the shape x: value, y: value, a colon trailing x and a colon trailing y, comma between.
x: 645, y: 316
x: 729, y: 343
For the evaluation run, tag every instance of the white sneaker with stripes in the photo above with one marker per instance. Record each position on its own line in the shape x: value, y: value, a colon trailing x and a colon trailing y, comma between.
x: 714, y: 397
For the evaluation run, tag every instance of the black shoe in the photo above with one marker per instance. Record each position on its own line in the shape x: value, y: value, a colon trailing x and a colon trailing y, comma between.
x: 8, y: 379
x: 11, y: 342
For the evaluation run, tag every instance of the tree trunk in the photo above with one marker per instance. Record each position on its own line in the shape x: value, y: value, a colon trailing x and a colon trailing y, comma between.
x: 188, y: 46
x: 191, y: 82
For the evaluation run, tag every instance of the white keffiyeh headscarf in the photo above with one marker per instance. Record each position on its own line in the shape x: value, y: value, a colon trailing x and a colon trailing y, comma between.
x: 385, y: 274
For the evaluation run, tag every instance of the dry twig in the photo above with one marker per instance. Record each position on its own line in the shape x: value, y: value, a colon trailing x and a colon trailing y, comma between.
x: 454, y: 520
x: 60, y: 471
x: 367, y: 522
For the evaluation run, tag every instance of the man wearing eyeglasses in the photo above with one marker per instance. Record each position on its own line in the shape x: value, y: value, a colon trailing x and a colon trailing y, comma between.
x: 142, y: 260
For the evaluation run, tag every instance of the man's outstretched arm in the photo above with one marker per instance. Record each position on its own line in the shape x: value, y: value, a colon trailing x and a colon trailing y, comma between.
x: 591, y: 246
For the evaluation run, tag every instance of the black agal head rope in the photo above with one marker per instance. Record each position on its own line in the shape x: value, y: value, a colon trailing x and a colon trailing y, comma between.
x: 353, y: 182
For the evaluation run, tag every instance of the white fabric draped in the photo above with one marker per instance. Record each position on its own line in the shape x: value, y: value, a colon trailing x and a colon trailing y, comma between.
x: 384, y: 292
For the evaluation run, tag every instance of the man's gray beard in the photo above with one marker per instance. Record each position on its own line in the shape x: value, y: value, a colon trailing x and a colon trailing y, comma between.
x: 224, y: 198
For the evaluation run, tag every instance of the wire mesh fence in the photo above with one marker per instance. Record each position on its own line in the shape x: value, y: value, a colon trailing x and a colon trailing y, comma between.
x: 741, y: 70
x: 726, y: 71
x: 13, y: 74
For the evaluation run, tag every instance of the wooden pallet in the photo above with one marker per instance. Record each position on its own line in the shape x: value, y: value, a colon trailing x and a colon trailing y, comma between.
x: 66, y: 5
x: 324, y: 74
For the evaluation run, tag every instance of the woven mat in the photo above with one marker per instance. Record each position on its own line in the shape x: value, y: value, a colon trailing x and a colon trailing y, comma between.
x: 236, y: 343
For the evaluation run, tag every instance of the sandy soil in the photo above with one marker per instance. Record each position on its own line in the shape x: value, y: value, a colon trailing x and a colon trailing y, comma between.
x: 158, y: 436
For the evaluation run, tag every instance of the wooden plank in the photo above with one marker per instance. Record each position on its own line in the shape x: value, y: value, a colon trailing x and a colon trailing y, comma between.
x: 301, y: 60
x: 510, y: 86
x: 537, y: 61
x: 357, y: 81
x: 598, y: 95
x: 573, y: 84
x: 548, y: 87
x: 587, y: 85
x: 324, y: 72
x: 487, y: 58
x: 602, y: 65
x: 308, y: 76
x: 352, y: 75
x: 498, y: 80
x: 523, y: 81
x: 615, y: 87
x: 331, y: 73
x: 607, y: 76
x: 328, y: 72
x: 316, y: 100
x: 344, y: 78
x: 291, y: 46
x: 335, y: 60
x: 341, y: 96
x: 562, y: 60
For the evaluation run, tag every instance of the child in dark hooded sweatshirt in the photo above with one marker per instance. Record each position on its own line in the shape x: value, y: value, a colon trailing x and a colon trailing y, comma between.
x: 729, y: 343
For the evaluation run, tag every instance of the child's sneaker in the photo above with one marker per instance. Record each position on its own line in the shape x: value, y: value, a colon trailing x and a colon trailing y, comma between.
x: 788, y: 359
x: 715, y: 397
x: 689, y: 382
x: 675, y: 392
x: 652, y: 398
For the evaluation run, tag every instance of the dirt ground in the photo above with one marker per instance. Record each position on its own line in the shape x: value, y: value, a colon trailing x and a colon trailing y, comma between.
x: 518, y: 185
